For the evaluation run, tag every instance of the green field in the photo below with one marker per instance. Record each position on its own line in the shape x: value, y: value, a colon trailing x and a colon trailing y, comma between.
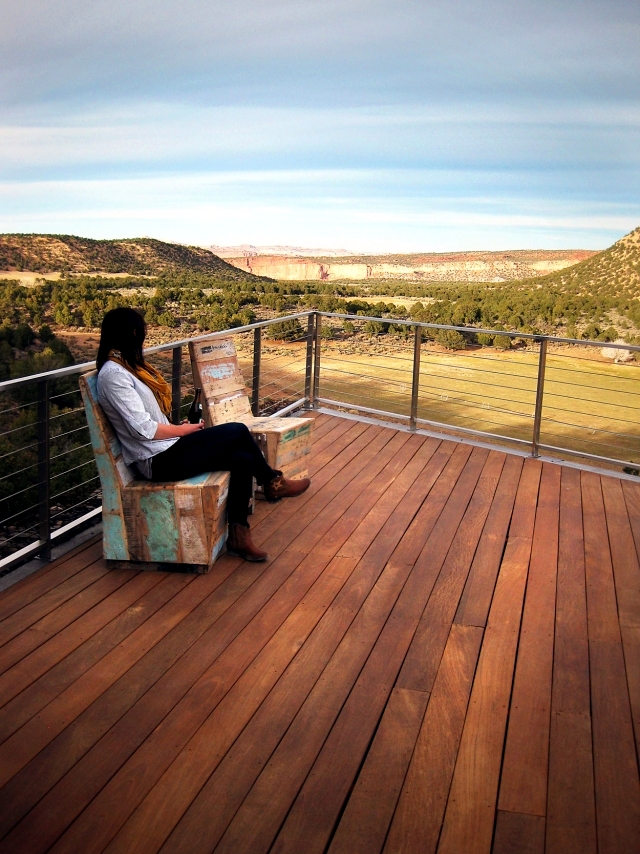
x: 590, y: 405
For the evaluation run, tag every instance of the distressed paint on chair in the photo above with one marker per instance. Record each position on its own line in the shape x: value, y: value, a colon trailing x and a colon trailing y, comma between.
x: 157, y: 525
x: 285, y: 442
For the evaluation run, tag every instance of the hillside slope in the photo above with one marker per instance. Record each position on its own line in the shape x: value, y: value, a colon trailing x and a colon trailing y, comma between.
x: 616, y: 269
x: 50, y: 253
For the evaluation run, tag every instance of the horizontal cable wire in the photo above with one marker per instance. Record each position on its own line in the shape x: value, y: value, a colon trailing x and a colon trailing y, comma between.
x: 66, y: 413
x: 591, y: 428
x: 18, y: 534
x: 555, y: 408
x: 70, y: 451
x: 17, y: 450
x: 68, y: 471
x: 19, y: 513
x: 18, y: 407
x: 548, y: 393
x: 71, y: 488
x: 69, y: 432
x: 32, y: 426
x: 20, y: 491
x: 73, y: 506
x: 20, y: 471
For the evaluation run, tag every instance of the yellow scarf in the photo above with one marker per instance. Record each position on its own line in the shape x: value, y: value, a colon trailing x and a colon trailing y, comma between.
x: 151, y: 378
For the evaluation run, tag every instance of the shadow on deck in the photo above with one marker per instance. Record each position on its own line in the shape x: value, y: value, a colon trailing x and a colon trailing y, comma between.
x: 442, y: 655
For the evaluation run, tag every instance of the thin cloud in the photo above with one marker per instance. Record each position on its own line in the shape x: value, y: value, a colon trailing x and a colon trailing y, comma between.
x: 444, y: 122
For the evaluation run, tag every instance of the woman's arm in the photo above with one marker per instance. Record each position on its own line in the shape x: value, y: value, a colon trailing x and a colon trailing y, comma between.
x: 174, y: 431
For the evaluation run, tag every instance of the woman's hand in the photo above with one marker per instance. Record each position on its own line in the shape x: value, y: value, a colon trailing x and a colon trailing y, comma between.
x: 175, y: 431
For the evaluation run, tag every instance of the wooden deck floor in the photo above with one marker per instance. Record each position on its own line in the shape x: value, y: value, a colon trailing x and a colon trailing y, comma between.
x: 442, y: 655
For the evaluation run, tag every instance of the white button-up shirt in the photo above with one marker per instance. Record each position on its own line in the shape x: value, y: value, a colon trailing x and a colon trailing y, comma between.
x: 133, y: 411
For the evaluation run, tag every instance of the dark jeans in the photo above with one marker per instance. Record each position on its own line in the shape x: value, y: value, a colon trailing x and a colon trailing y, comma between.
x: 226, y: 447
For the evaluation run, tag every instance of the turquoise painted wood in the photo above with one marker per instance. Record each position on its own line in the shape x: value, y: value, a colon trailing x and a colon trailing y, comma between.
x: 158, y: 524
x: 285, y: 442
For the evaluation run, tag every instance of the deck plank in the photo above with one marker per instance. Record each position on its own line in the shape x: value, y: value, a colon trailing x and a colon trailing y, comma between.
x: 417, y: 819
x: 469, y: 816
x: 443, y: 654
x: 49, y: 602
x: 523, y: 785
x: 311, y: 691
x: 626, y: 570
x: 127, y: 789
x: 423, y: 659
x: 62, y: 675
x: 46, y: 647
x: 571, y: 823
x: 475, y: 601
x: 67, y: 620
x: 62, y: 733
x: 617, y: 784
x: 33, y: 586
x: 314, y: 813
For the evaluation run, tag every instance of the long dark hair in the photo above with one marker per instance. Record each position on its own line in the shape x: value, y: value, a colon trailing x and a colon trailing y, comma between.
x: 122, y: 329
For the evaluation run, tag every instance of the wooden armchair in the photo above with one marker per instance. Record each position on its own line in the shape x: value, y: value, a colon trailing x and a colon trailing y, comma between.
x: 179, y: 527
x: 285, y: 442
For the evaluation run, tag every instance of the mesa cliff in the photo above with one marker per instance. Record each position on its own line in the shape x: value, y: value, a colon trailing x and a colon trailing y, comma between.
x: 433, y: 267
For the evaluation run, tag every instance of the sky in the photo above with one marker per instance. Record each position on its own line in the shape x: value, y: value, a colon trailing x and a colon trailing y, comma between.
x: 368, y: 125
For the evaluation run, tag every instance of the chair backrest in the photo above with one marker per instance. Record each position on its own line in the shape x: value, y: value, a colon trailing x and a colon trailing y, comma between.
x: 214, y: 363
x: 106, y: 445
x: 114, y: 473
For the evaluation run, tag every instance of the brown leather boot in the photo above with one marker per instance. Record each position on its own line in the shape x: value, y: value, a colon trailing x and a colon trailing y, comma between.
x: 282, y: 487
x: 239, y: 543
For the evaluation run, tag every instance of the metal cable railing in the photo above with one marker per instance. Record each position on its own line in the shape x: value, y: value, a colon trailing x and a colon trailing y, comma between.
x: 548, y: 394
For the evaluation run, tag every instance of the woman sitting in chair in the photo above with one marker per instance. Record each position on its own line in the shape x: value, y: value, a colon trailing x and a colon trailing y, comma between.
x: 137, y: 402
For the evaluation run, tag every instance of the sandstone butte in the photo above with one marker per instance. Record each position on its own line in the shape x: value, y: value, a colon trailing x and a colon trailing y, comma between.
x: 446, y: 267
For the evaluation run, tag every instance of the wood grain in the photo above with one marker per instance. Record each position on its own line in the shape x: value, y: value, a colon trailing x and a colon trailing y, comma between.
x: 346, y: 696
x: 615, y: 762
x: 418, y: 816
x: 469, y: 817
x: 571, y: 821
x: 523, y: 786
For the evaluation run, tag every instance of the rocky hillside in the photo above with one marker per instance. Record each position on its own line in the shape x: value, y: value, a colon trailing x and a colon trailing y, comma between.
x: 432, y: 267
x: 50, y: 253
x: 616, y: 270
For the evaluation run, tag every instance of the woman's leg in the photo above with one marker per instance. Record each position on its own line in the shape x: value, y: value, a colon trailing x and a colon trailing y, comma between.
x: 225, y: 447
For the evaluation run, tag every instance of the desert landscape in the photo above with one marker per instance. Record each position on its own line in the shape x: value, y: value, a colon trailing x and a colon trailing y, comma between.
x: 434, y: 267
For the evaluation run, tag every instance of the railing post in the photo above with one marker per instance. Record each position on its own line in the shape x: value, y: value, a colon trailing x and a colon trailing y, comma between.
x: 257, y: 353
x: 316, y: 361
x: 44, y: 469
x: 415, y: 382
x: 176, y: 384
x: 308, y: 371
x: 537, y: 415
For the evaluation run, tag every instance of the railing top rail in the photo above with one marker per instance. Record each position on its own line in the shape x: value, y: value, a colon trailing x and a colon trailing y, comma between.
x: 479, y: 329
x: 84, y: 367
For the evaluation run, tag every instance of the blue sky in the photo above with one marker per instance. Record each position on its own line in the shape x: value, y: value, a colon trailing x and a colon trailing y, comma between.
x: 373, y: 125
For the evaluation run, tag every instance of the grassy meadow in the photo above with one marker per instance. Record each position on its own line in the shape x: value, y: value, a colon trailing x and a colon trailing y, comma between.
x: 590, y: 405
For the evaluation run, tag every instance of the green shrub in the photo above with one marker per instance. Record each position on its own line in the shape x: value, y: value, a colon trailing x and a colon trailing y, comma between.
x: 591, y: 333
x: 326, y: 331
x: 502, y: 342
x: 485, y: 339
x: 610, y: 334
x: 374, y: 327
x: 23, y: 336
x: 167, y: 319
x: 451, y: 339
x: 286, y: 330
